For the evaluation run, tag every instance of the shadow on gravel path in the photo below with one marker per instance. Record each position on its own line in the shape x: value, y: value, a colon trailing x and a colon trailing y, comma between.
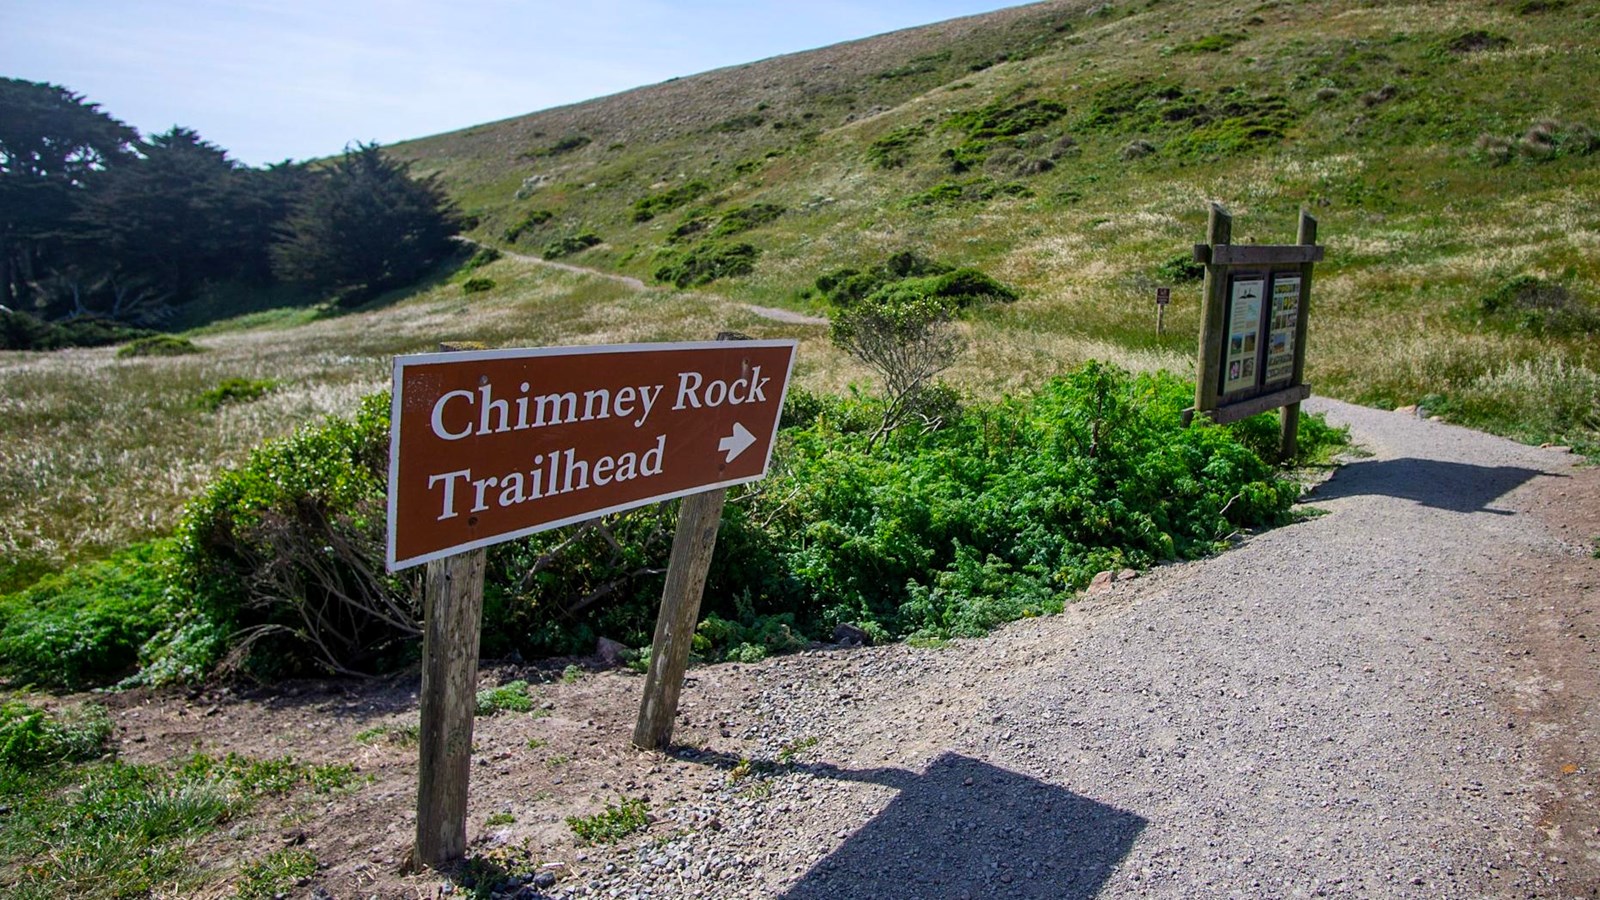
x: 1458, y: 487
x: 965, y: 828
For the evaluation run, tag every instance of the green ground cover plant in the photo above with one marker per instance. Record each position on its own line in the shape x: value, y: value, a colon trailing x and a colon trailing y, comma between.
x: 159, y: 345
x: 615, y: 822
x: 274, y: 874
x: 81, y: 823
x: 570, y: 244
x: 236, y: 390
x: 707, y: 262
x: 510, y: 697
x: 88, y: 625
x: 946, y: 526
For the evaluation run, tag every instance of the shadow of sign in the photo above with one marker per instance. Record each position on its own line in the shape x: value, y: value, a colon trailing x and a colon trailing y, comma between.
x: 1459, y: 487
x: 965, y: 828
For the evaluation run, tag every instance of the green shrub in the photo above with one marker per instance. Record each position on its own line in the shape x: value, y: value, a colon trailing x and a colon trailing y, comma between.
x: 973, y: 190
x: 1180, y: 269
x: 647, y: 208
x: 286, y: 550
x: 566, y: 145
x: 482, y: 257
x: 1211, y: 43
x: 688, y: 228
x: 31, y: 737
x: 236, y: 390
x: 477, y: 285
x: 572, y: 243
x: 86, y: 626
x: 1527, y: 303
x: 958, y: 287
x: 528, y: 223
x: 1000, y: 511
x: 21, y: 331
x: 510, y: 697
x: 1002, y: 119
x: 619, y: 820
x: 706, y: 262
x: 159, y: 345
x: 274, y: 874
x: 1228, y: 120
x: 891, y: 150
x: 744, y: 218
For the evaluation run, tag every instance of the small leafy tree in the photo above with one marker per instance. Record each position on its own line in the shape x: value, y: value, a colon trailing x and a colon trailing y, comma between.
x: 364, y: 227
x: 904, y: 334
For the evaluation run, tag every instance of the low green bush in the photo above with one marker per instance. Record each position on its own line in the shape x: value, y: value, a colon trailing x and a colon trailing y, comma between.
x: 647, y: 208
x: 477, y: 285
x: 957, y: 521
x: 21, y: 331
x: 510, y: 697
x: 32, y: 737
x: 616, y: 822
x: 159, y: 345
x: 480, y: 258
x: 707, y: 262
x: 236, y: 390
x: 284, y: 556
x: 893, y: 149
x: 86, y: 626
x: 528, y: 223
x: 572, y: 243
x: 958, y: 288
x: 972, y: 190
x: 745, y: 218
x: 1211, y: 43
x: 1532, y: 304
x: 1180, y: 269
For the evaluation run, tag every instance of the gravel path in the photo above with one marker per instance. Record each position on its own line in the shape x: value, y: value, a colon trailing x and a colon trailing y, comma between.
x: 1339, y: 707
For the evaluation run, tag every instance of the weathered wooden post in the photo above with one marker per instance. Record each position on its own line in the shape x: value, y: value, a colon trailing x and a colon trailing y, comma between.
x: 452, y: 609
x: 493, y: 445
x: 1290, y: 422
x: 1251, y: 356
x: 699, y: 518
x: 1219, y: 230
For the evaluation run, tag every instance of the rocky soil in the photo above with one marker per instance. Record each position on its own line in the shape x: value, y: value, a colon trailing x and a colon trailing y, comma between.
x: 1395, y: 697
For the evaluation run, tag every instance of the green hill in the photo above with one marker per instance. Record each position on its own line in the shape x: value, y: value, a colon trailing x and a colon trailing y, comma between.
x: 1070, y: 149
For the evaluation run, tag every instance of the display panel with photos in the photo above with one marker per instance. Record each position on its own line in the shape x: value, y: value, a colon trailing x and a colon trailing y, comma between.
x: 1240, y: 354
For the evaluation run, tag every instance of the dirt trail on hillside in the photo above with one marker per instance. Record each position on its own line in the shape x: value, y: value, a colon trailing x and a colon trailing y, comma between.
x: 774, y: 313
x: 1396, y: 697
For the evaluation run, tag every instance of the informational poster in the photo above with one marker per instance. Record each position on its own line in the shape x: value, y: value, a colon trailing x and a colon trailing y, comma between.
x: 1244, y: 329
x: 1281, y: 328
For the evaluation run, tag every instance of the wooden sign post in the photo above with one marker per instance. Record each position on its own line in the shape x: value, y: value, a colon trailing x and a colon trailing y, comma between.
x: 1253, y: 318
x: 487, y: 446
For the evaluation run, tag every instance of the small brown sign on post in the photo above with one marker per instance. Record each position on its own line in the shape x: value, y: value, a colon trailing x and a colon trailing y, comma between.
x: 1253, y: 326
x: 492, y: 445
x: 487, y: 446
x: 1163, y: 297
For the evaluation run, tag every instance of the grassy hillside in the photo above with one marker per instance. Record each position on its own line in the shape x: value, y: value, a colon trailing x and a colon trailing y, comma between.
x: 1460, y: 223
x: 1071, y: 148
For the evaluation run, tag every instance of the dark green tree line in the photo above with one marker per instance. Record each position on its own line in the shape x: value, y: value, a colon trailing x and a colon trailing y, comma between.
x: 98, y: 223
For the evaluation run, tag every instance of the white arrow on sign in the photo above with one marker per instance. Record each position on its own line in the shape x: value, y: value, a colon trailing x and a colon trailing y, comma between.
x: 736, y: 443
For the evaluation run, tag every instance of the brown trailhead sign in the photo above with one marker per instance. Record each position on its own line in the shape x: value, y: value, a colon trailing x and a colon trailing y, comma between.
x: 491, y: 445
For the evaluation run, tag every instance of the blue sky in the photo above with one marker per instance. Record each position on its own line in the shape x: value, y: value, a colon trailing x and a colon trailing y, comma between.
x: 277, y: 79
